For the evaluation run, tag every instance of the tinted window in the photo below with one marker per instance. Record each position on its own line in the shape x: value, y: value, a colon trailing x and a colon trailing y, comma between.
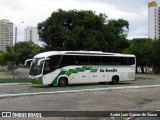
x: 94, y: 60
x: 35, y: 68
x: 131, y: 61
x: 119, y: 61
x: 51, y: 64
x: 106, y: 60
x: 67, y: 60
x: 81, y: 60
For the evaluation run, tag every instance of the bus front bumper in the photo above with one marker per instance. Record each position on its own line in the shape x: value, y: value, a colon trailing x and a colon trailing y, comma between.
x: 36, y: 81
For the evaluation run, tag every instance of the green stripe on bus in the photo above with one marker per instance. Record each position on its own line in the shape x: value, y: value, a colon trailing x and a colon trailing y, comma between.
x: 55, y: 80
x: 89, y: 68
x: 71, y: 71
x: 37, y: 81
x: 76, y: 70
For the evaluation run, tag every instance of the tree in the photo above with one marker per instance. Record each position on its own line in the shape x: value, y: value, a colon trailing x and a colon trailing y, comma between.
x: 142, y: 49
x: 10, y: 58
x: 156, y: 56
x: 2, y: 61
x: 83, y: 30
x: 27, y: 50
x: 115, y: 33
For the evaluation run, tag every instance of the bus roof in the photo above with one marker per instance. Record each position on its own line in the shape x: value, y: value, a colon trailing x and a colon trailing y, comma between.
x: 88, y: 53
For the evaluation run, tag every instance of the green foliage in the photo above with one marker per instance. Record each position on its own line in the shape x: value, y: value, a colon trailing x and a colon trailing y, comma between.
x: 142, y: 48
x: 16, y: 80
x: 83, y: 30
x: 24, y: 50
x: 10, y: 57
x: 156, y: 56
x: 147, y: 52
x: 27, y: 50
x: 115, y: 34
x: 156, y: 52
x: 2, y: 60
x: 9, y: 48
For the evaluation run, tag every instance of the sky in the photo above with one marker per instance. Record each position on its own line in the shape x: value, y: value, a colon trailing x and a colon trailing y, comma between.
x: 33, y: 12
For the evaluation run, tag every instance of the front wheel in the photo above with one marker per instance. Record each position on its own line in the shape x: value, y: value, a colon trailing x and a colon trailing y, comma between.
x: 62, y: 82
x: 115, y: 80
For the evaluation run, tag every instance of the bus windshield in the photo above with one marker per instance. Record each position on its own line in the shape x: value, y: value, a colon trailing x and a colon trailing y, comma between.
x: 36, y: 68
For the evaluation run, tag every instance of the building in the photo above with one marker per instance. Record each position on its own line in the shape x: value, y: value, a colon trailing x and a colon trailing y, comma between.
x: 31, y: 34
x: 153, y: 20
x: 6, y: 34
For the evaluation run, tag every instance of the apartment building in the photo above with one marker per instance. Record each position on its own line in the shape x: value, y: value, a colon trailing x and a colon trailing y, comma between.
x: 153, y: 20
x: 31, y: 34
x: 6, y: 34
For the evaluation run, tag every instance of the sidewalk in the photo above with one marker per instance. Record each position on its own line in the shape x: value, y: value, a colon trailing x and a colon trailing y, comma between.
x: 152, y: 76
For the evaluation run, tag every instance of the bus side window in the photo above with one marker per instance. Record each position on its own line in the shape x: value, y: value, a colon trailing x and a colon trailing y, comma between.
x: 119, y: 61
x: 131, y: 61
x: 46, y: 67
x: 107, y: 60
x: 94, y: 60
x: 51, y: 64
x: 81, y: 60
x: 54, y: 60
x: 67, y: 60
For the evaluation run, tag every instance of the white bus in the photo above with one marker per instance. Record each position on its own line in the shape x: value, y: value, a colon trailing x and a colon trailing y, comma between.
x: 78, y: 67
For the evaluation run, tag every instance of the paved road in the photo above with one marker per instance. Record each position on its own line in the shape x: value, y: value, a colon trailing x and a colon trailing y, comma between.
x: 139, y: 81
x: 147, y: 99
x: 110, y: 100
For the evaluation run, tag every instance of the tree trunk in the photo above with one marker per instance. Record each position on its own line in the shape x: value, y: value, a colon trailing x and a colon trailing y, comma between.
x: 156, y: 69
x: 136, y: 69
x: 13, y: 71
x: 142, y: 69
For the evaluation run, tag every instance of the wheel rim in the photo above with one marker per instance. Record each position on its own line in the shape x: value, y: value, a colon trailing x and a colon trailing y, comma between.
x: 115, y: 80
x: 62, y: 82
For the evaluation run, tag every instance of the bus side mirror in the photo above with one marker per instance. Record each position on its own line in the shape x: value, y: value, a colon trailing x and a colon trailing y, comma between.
x: 27, y: 61
x: 39, y: 62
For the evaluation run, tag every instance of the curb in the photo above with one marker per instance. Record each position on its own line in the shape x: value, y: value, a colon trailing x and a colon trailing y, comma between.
x: 1, y: 84
x: 76, y: 91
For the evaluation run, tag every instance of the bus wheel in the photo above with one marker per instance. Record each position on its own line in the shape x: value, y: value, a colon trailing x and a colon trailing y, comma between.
x: 115, y: 80
x: 102, y: 83
x: 50, y: 85
x: 62, y: 82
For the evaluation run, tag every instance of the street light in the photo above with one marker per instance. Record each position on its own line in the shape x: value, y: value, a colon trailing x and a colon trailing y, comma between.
x: 16, y: 35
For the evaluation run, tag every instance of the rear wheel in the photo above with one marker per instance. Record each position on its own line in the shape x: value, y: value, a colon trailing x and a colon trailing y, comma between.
x: 102, y: 83
x: 115, y: 80
x: 62, y: 82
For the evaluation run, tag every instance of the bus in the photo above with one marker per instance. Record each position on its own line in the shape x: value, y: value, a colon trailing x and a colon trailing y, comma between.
x: 81, y: 67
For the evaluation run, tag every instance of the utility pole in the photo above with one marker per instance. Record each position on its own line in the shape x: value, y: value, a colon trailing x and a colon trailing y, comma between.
x: 16, y: 27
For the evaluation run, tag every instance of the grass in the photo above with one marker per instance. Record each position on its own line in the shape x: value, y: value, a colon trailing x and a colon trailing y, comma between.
x: 16, y: 80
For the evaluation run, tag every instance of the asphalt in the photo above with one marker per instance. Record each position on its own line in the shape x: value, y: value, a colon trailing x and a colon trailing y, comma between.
x: 75, y: 91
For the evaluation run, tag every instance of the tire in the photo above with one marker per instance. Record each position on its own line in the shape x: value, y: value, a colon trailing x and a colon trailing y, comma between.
x: 50, y: 85
x: 102, y: 83
x: 62, y: 82
x: 115, y: 80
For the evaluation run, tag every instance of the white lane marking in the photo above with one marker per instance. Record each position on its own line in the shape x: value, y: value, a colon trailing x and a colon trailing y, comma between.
x: 76, y: 91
